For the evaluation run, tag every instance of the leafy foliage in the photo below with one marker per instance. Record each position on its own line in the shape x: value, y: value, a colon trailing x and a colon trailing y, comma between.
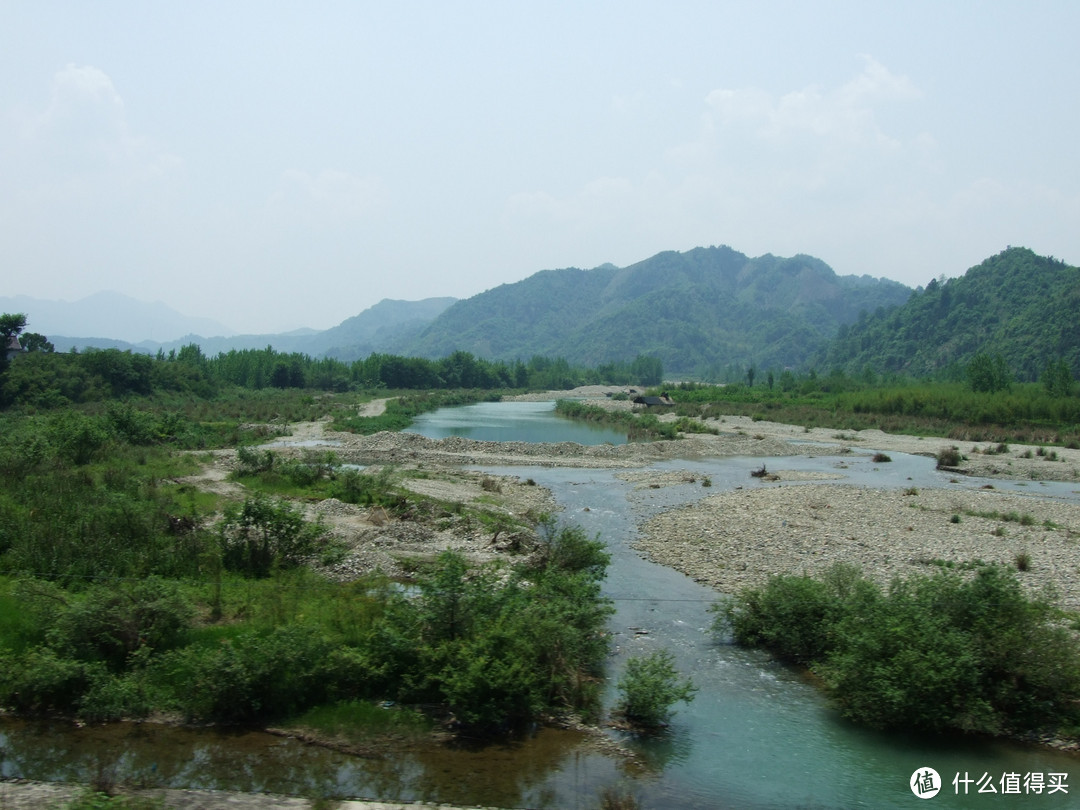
x: 930, y: 652
x: 650, y: 687
x: 1057, y: 378
x: 988, y: 374
x: 264, y: 534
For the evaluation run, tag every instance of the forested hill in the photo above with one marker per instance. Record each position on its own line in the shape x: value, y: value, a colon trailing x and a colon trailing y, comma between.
x: 698, y: 312
x: 1016, y: 304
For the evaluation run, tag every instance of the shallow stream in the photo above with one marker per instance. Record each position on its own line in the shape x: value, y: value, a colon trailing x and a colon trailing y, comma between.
x: 758, y: 735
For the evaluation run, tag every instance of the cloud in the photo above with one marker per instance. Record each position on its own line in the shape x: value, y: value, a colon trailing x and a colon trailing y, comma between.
x: 786, y: 173
x: 844, y: 114
x: 81, y: 145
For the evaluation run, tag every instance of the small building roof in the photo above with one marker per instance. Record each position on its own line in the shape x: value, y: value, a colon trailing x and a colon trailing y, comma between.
x: 13, y: 346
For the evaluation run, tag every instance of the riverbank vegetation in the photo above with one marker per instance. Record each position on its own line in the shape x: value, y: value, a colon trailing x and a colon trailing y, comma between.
x: 945, y: 651
x: 649, y: 689
x: 127, y: 592
x: 122, y: 599
x: 637, y: 425
x: 1024, y: 412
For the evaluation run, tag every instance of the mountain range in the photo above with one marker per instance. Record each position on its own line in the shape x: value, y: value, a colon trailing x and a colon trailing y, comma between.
x: 1016, y: 304
x: 702, y: 312
x: 110, y: 316
x: 696, y: 311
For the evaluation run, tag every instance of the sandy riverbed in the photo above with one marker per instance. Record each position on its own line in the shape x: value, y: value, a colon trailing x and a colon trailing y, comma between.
x: 733, y: 539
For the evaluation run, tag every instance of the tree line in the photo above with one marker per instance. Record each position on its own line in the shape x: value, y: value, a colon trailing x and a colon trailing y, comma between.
x: 45, y: 378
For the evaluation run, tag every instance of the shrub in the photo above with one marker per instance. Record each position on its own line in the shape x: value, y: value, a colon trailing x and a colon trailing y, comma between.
x: 948, y: 457
x: 256, y: 676
x: 569, y: 549
x: 40, y: 681
x: 76, y: 436
x: 112, y: 621
x: 793, y: 616
x: 264, y: 534
x: 250, y: 461
x: 366, y: 489
x: 650, y: 687
x: 110, y: 697
x: 941, y: 651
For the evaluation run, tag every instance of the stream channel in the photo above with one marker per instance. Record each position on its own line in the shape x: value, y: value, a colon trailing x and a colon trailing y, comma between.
x: 758, y: 734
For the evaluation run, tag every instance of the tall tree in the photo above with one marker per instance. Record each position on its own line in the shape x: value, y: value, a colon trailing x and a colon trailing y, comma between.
x: 34, y: 342
x: 11, y: 324
x: 989, y: 373
x: 1057, y: 378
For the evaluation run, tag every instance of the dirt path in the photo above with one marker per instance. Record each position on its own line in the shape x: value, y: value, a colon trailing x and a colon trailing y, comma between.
x: 377, y: 407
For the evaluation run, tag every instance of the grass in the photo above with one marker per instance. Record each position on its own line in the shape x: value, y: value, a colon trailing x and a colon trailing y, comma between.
x: 1012, y: 516
x: 1024, y: 415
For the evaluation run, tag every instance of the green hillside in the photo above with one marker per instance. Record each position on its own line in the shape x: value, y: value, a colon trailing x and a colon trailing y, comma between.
x: 696, y: 311
x: 1018, y: 305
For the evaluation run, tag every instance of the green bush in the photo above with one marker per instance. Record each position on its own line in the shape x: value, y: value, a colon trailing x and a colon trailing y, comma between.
x: 254, y: 677
x: 931, y: 652
x: 77, y: 437
x: 793, y: 616
x: 650, y: 687
x: 264, y: 534
x: 110, y: 622
x: 251, y: 461
x: 499, y: 646
x: 39, y: 681
x: 949, y: 457
x: 569, y: 549
x: 110, y: 697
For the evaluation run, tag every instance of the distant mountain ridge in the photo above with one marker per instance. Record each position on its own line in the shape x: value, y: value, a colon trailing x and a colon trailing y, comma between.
x: 702, y: 312
x: 110, y: 315
x: 1017, y: 304
x: 697, y: 311
x: 381, y: 327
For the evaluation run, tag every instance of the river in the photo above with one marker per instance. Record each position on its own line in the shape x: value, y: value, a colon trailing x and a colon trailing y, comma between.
x: 758, y: 734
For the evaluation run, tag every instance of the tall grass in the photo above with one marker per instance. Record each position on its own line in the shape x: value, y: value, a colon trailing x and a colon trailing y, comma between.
x: 1025, y: 413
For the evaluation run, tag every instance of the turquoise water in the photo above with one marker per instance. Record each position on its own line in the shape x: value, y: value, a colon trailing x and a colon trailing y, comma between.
x: 758, y: 734
x: 511, y: 422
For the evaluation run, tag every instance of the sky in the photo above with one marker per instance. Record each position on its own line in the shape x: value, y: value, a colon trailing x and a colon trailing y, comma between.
x: 286, y: 164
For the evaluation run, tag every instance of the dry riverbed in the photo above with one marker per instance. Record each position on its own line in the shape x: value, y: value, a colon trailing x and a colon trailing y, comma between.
x: 734, y: 539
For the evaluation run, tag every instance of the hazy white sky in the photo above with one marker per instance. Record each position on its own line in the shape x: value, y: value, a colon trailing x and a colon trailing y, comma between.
x: 284, y: 164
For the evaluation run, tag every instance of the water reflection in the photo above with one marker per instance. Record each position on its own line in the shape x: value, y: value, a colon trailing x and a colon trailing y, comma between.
x: 511, y: 422
x: 541, y: 770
